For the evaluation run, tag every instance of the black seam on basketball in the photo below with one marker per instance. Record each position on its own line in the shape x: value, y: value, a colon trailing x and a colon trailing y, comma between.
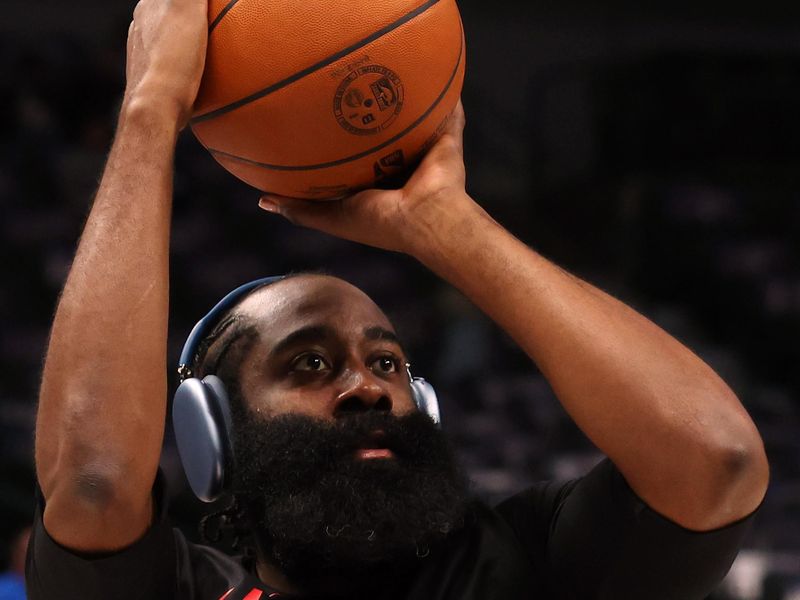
x: 221, y: 15
x: 315, y: 67
x: 341, y: 161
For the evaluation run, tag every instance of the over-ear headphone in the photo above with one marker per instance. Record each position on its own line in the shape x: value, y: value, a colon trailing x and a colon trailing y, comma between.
x: 201, y: 414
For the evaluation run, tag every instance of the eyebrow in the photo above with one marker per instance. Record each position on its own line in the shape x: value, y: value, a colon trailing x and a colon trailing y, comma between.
x: 381, y: 333
x: 312, y: 333
x: 317, y: 333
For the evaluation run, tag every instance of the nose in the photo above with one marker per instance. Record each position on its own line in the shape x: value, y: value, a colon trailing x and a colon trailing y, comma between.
x: 361, y: 391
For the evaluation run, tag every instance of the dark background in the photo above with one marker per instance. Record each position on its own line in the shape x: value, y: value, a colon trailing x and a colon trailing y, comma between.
x: 651, y: 149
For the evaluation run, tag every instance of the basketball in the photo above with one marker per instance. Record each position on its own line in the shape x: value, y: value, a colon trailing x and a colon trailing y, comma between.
x: 320, y: 98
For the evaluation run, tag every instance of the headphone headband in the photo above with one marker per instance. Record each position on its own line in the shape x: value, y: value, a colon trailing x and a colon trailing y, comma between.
x: 204, y: 325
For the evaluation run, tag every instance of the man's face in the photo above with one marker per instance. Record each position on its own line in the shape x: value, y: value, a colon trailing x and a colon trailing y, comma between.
x: 325, y: 350
x: 347, y: 483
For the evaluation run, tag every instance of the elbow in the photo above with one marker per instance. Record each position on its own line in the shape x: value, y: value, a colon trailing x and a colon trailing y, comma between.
x: 92, y: 484
x: 747, y: 469
x: 737, y: 477
x: 98, y: 485
x: 93, y: 510
x: 82, y: 476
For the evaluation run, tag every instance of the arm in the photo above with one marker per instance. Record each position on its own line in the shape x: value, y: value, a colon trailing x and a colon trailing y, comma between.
x: 674, y: 429
x: 102, y: 402
x: 597, y: 527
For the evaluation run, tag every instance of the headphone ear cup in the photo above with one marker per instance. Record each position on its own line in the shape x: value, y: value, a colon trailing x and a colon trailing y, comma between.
x: 425, y: 398
x: 202, y: 422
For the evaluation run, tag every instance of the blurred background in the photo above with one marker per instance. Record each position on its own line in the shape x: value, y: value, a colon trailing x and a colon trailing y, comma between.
x: 652, y: 149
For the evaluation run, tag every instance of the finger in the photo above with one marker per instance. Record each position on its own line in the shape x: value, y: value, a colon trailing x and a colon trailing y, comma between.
x: 309, y: 213
x: 365, y: 217
x: 454, y: 127
x: 137, y: 10
x: 450, y: 145
x: 457, y: 120
x: 130, y: 36
x: 129, y: 49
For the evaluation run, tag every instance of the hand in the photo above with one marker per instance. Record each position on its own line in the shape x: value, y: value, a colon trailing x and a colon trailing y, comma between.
x: 167, y: 43
x: 399, y: 220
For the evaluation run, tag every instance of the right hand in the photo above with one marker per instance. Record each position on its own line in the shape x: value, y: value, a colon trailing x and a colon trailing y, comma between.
x: 432, y: 204
x: 167, y: 43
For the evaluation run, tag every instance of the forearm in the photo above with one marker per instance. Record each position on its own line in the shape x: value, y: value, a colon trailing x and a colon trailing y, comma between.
x: 102, y: 401
x: 672, y: 426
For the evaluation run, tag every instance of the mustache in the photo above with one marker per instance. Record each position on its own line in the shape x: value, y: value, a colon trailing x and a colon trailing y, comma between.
x: 351, y: 432
x: 332, y: 445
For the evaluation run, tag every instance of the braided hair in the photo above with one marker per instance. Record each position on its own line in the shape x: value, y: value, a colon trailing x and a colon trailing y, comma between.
x: 220, y: 353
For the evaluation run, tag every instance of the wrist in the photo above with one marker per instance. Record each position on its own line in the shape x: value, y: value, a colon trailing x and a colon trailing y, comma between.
x: 151, y: 113
x: 442, y: 230
x: 146, y: 136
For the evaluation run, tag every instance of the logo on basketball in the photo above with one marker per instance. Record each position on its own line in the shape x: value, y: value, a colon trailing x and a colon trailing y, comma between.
x: 368, y: 100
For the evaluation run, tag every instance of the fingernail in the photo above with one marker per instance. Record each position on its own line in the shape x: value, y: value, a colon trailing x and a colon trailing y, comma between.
x: 268, y: 204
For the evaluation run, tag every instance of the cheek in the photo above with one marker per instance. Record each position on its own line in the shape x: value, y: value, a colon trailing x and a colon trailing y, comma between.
x: 281, y: 402
x: 402, y: 402
x: 269, y: 398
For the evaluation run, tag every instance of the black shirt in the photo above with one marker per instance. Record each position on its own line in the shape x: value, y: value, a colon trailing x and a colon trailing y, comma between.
x: 591, y: 538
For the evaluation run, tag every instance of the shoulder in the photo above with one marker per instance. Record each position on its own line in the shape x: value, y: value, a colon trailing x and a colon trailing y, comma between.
x: 594, y: 537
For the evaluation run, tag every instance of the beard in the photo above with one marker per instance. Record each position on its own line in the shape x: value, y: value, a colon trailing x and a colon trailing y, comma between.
x: 331, y: 522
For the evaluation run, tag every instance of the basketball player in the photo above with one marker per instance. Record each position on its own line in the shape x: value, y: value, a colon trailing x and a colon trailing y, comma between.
x: 345, y: 488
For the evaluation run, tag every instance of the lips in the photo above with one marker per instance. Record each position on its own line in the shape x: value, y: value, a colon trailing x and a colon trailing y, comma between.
x: 374, y: 453
x: 374, y: 447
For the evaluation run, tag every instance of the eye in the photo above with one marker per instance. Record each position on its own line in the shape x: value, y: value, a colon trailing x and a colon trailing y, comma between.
x: 386, y: 364
x: 310, y: 361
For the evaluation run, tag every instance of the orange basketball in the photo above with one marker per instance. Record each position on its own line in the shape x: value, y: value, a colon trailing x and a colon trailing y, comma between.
x: 319, y: 98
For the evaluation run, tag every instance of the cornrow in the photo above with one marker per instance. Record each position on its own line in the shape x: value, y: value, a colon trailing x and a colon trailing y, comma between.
x: 229, y: 319
x: 210, y: 340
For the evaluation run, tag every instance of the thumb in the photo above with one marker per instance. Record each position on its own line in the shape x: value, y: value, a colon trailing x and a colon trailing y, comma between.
x: 308, y: 213
x: 369, y: 217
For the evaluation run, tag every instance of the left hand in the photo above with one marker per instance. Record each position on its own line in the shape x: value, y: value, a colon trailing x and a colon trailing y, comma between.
x: 398, y: 220
x: 166, y: 53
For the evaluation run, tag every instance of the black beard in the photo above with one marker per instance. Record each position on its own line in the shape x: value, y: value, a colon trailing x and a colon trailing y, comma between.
x: 333, y: 523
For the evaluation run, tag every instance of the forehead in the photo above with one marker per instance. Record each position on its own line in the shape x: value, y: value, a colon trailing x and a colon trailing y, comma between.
x: 308, y: 300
